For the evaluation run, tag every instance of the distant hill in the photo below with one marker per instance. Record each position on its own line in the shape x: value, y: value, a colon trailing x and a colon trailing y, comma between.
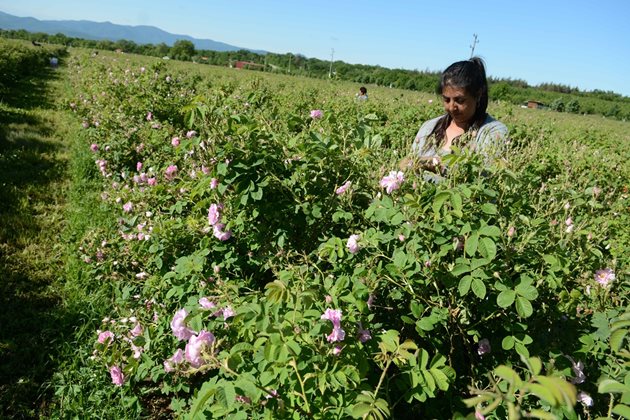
x: 106, y: 30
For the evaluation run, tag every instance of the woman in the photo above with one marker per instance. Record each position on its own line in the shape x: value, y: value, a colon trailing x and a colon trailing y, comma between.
x: 464, y: 90
x: 362, y: 95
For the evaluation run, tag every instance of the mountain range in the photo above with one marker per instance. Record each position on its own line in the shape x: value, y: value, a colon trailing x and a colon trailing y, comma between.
x: 106, y: 30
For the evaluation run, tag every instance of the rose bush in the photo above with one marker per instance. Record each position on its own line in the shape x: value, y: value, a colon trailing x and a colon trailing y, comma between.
x: 273, y: 264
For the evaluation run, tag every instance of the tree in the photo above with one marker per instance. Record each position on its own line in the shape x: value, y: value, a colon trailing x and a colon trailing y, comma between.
x: 573, y: 106
x: 557, y: 105
x: 183, y: 50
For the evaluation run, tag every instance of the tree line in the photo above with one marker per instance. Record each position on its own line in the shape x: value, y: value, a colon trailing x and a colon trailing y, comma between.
x: 559, y: 97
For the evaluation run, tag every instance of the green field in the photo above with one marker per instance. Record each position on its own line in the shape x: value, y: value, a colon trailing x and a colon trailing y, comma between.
x: 174, y: 244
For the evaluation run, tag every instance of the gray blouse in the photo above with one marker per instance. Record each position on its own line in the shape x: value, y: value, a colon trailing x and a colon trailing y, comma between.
x: 488, y: 140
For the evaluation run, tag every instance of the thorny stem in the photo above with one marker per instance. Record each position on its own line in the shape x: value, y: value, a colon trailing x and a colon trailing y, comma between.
x: 380, y: 381
x: 265, y: 390
x: 297, y: 372
x: 610, y: 404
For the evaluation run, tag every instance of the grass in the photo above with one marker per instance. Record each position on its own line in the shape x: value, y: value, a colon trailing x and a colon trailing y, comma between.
x: 33, y: 187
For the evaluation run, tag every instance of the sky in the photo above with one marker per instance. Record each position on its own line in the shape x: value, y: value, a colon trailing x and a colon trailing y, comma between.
x: 579, y: 43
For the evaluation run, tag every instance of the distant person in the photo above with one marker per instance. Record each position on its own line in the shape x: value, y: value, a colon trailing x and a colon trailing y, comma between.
x: 464, y: 89
x: 54, y: 62
x: 362, y: 95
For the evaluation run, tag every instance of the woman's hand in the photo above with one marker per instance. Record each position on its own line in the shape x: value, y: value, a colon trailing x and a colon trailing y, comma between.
x: 432, y: 164
x: 427, y: 163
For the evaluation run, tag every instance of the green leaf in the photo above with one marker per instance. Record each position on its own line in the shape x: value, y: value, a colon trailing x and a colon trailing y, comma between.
x: 543, y: 393
x: 550, y: 259
x: 611, y: 386
x: 423, y: 359
x: 616, y: 339
x: 207, y: 390
x: 478, y: 262
x: 464, y: 285
x: 564, y: 392
x: 508, y: 374
x: 622, y: 410
x: 508, y: 342
x: 426, y: 324
x: 439, y: 200
x: 487, y: 248
x: 390, y: 340
x: 479, y: 288
x: 460, y: 269
x: 428, y: 378
x: 489, y: 208
x: 524, y: 307
x: 276, y: 291
x: 544, y: 415
x: 471, y: 244
x: 456, y: 200
x: 527, y: 291
x: 248, y: 388
x: 266, y: 378
x: 359, y: 410
x: 294, y: 347
x: 440, y: 379
x: 382, y: 405
x: 437, y: 361
x: 397, y: 219
x: 622, y: 323
x: 535, y: 364
x: 239, y: 347
x: 416, y: 308
x: 506, y: 298
x: 490, y: 231
x: 226, y: 395
x: 400, y: 258
x: 471, y: 402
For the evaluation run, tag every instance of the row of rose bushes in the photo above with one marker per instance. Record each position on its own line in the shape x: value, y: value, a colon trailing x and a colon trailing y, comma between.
x: 20, y: 58
x: 268, y: 259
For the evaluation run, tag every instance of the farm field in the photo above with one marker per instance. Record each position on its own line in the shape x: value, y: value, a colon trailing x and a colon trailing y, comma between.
x: 226, y: 243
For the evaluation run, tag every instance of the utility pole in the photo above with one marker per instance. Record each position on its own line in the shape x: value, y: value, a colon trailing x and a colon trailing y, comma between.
x: 472, y: 47
x: 332, y: 56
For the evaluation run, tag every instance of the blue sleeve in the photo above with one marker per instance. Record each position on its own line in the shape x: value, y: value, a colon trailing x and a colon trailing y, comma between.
x: 421, y: 137
x: 491, y: 139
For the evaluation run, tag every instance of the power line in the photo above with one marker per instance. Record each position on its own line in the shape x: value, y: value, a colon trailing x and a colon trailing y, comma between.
x: 474, y: 44
x: 332, y: 55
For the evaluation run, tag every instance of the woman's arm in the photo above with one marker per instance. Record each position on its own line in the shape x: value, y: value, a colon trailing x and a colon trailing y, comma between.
x: 423, y: 157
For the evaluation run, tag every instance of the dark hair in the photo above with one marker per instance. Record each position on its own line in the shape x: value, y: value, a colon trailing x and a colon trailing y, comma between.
x: 469, y: 75
x: 363, y: 90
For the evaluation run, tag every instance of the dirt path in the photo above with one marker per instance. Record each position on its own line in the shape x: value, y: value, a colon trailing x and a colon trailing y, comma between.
x: 33, y: 183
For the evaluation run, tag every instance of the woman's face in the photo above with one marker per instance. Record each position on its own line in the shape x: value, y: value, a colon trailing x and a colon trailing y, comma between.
x: 460, y: 105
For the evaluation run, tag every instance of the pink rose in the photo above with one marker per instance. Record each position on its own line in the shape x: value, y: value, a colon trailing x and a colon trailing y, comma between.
x: 105, y: 336
x: 316, y: 114
x: 117, y: 376
x: 392, y: 181
x: 343, y: 188
x: 137, y: 330
x: 604, y: 277
x: 220, y: 234
x: 353, y: 244
x: 174, y: 360
x: 205, y: 303
x: 214, y: 214
x: 196, y: 344
x: 179, y: 327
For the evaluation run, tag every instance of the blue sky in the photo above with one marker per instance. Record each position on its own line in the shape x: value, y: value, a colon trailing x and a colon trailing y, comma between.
x: 579, y: 43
